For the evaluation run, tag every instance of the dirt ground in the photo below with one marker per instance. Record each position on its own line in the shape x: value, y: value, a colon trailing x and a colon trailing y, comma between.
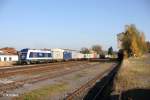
x: 3, y: 64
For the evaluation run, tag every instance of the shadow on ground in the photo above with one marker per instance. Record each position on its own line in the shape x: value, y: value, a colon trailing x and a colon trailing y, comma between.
x: 133, y: 94
x: 136, y: 94
x: 106, y: 91
x: 91, y: 94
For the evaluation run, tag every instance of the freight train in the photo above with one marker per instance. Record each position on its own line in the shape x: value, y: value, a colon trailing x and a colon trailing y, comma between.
x: 30, y: 56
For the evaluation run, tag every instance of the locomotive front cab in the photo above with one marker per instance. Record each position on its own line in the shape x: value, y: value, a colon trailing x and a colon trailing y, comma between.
x: 23, y: 56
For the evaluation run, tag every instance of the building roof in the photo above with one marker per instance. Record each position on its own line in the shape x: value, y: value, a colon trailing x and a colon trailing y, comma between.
x: 8, y: 51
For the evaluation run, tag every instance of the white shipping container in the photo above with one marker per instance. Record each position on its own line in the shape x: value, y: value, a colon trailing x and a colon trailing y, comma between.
x: 88, y: 56
x: 57, y: 54
x: 74, y: 55
x: 80, y: 55
x: 91, y: 55
x: 77, y: 55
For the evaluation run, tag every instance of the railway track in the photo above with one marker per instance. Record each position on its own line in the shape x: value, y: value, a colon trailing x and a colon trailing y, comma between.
x: 20, y: 83
x: 80, y: 93
x: 42, y: 67
x: 102, y: 94
x: 33, y: 65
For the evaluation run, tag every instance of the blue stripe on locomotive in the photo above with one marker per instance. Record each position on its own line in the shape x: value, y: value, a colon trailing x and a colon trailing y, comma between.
x: 67, y: 55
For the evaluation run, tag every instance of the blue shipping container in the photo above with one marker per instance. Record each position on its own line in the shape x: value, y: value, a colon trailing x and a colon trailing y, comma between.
x: 67, y: 55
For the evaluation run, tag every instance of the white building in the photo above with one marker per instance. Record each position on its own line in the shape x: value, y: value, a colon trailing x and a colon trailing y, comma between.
x: 7, y: 57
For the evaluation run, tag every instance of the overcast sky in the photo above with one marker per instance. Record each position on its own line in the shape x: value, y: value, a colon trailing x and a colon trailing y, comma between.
x: 69, y: 23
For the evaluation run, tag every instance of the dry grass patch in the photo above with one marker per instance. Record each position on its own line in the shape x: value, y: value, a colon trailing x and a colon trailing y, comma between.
x: 134, y: 73
x: 42, y: 93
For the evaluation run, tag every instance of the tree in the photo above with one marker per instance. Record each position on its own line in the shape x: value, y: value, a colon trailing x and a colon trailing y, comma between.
x: 133, y: 41
x: 110, y: 51
x: 85, y: 50
x: 97, y: 49
x: 148, y: 46
x: 143, y: 44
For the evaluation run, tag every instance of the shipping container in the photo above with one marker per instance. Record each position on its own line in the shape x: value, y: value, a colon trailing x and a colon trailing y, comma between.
x: 89, y: 56
x: 95, y: 55
x: 74, y: 55
x: 80, y: 55
x: 57, y: 54
x: 67, y: 55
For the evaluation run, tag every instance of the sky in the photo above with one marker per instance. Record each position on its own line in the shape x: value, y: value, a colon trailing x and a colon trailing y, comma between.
x: 69, y: 23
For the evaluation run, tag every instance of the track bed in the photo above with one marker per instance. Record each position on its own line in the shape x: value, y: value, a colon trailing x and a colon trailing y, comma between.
x: 73, y: 74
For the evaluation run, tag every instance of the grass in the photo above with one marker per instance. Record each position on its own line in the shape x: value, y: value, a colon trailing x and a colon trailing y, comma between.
x: 78, y: 76
x: 134, y: 73
x: 40, y: 94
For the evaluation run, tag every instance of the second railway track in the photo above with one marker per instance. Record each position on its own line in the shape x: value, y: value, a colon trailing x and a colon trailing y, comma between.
x: 41, y: 67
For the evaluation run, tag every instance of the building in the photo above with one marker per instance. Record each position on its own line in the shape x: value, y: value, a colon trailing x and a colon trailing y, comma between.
x: 7, y: 57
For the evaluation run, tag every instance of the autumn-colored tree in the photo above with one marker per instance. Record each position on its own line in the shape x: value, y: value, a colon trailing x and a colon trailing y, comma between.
x: 148, y: 46
x: 143, y: 44
x: 134, y: 47
x: 133, y: 41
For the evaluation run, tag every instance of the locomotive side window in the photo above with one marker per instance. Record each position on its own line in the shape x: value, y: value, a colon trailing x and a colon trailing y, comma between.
x: 49, y: 55
x: 31, y: 54
x: 35, y: 54
x: 45, y: 54
x: 40, y: 54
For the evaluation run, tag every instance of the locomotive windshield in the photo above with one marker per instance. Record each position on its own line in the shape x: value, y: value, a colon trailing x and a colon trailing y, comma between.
x: 23, y: 55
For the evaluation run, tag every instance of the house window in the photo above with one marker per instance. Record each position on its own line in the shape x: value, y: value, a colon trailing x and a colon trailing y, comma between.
x: 10, y: 58
x: 5, y: 59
